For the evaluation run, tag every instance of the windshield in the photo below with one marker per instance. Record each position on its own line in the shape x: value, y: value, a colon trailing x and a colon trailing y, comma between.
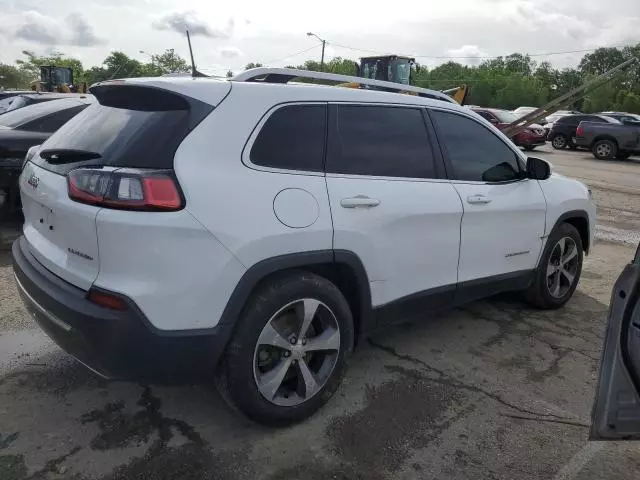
x: 505, y: 116
x: 16, y: 117
x: 400, y: 71
x: 373, y: 69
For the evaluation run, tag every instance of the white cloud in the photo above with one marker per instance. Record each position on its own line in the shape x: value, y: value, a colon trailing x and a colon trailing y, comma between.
x: 35, y: 27
x: 230, y: 52
x: 180, y: 22
x: 468, y: 54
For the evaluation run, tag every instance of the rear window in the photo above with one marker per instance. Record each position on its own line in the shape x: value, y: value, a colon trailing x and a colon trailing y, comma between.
x: 135, y: 137
x: 21, y: 116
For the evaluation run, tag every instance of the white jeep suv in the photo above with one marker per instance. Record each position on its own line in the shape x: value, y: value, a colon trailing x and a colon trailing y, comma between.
x: 257, y: 229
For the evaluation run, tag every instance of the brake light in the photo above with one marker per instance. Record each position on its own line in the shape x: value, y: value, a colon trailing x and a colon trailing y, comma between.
x: 579, y: 131
x: 125, y: 189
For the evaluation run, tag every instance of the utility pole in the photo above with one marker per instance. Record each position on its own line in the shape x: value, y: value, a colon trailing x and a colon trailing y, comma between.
x: 310, y: 34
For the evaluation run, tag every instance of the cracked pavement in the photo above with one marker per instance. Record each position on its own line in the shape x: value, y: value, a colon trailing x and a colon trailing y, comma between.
x: 493, y: 390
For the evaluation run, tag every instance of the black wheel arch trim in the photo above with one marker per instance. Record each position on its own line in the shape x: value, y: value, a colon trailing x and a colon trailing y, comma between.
x: 575, y: 214
x: 261, y: 270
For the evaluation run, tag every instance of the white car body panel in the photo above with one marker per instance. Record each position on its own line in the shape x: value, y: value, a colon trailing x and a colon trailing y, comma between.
x: 503, y: 235
x: 55, y: 227
x: 409, y: 242
x: 168, y: 264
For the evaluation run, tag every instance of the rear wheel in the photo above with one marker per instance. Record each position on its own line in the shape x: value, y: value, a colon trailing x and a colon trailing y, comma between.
x: 559, y: 141
x: 559, y: 269
x: 529, y: 148
x: 288, y: 354
x: 604, y: 150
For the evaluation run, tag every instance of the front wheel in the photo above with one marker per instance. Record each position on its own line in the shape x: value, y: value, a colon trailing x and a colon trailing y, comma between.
x: 558, y: 272
x: 529, y: 148
x: 604, y: 150
x: 288, y: 353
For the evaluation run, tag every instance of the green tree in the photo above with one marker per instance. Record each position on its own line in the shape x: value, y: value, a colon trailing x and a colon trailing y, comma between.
x: 229, y: 74
x: 251, y: 65
x: 12, y: 77
x: 169, y: 62
x: 600, y: 61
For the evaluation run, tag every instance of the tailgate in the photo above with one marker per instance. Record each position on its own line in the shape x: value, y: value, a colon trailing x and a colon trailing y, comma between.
x: 60, y: 233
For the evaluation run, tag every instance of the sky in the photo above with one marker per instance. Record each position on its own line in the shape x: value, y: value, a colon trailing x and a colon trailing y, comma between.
x: 228, y: 35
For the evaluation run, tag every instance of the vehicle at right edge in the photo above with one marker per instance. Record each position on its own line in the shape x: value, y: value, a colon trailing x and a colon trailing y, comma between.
x: 609, y: 140
x: 616, y: 409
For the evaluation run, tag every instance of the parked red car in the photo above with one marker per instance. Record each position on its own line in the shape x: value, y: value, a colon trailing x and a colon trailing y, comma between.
x: 533, y: 136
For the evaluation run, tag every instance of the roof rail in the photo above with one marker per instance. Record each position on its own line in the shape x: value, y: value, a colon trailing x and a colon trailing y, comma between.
x: 285, y: 75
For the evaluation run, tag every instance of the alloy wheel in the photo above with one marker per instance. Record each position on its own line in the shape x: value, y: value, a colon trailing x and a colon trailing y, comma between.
x: 562, y: 268
x: 296, y: 352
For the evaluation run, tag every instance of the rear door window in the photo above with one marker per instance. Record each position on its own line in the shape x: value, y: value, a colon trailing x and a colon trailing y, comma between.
x: 384, y: 141
x: 292, y: 138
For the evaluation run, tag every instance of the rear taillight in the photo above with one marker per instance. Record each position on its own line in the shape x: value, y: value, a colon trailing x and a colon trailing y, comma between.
x: 125, y: 189
x: 580, y: 131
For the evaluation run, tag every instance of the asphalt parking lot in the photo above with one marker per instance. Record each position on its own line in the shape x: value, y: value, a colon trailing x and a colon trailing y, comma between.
x: 494, y: 390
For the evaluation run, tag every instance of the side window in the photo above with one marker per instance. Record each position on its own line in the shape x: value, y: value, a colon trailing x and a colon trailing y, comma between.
x: 380, y: 141
x: 475, y: 153
x: 592, y: 118
x: 485, y: 115
x: 292, y: 138
x: 53, y: 121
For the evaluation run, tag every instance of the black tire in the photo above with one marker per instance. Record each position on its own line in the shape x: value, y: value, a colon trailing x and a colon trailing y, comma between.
x: 623, y: 155
x: 604, y: 149
x: 559, y: 141
x: 539, y: 293
x: 529, y: 148
x: 236, y: 374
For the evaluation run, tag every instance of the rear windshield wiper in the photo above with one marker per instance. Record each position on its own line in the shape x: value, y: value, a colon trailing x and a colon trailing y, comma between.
x: 67, y: 155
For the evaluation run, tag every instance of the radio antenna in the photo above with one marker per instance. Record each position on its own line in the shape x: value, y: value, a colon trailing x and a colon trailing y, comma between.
x: 194, y: 72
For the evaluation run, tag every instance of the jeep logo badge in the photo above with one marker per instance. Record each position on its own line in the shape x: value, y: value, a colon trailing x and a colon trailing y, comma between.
x: 33, y: 180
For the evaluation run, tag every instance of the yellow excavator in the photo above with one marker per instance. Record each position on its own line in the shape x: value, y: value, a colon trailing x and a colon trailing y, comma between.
x: 398, y: 69
x: 57, y: 79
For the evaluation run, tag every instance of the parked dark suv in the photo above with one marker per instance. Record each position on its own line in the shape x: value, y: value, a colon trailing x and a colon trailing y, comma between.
x: 563, y: 132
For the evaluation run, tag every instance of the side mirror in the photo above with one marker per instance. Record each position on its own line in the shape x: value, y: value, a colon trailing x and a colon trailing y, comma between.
x: 538, y: 169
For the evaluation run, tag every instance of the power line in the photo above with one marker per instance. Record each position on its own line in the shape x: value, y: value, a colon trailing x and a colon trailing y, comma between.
x: 467, y: 57
x: 294, y: 54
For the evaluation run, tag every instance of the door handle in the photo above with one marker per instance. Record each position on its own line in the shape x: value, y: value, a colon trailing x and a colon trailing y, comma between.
x: 478, y: 199
x: 359, y: 201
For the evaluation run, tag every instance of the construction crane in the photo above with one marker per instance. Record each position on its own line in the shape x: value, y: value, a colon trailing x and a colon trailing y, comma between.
x: 565, y: 100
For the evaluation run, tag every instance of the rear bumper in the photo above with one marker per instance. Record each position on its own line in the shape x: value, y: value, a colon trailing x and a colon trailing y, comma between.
x: 114, y: 344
